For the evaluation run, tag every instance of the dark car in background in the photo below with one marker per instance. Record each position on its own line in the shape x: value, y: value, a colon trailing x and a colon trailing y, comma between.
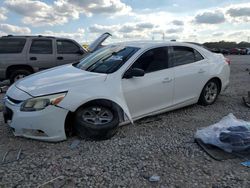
x: 235, y: 51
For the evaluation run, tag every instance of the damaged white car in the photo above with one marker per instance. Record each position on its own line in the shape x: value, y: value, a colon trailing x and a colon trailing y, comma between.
x: 115, y: 85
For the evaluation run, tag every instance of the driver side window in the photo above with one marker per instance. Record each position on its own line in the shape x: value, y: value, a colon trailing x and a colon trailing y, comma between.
x: 153, y: 60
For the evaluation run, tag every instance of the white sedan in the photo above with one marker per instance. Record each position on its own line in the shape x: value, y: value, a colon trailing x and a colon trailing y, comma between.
x: 115, y: 85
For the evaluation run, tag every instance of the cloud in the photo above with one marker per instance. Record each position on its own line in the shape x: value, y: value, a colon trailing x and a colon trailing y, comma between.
x: 171, y: 37
x: 239, y: 13
x: 178, y: 22
x: 136, y: 36
x: 39, y: 13
x: 102, y: 6
x: 103, y: 28
x: 215, y: 17
x: 144, y: 25
x: 174, y: 30
x: 79, y: 35
x: 240, y: 35
x: 129, y: 30
x: 132, y: 27
x: 218, y: 34
x: 12, y: 29
x: 3, y: 12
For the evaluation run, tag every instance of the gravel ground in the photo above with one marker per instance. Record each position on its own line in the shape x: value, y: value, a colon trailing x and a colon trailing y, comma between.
x: 161, y: 145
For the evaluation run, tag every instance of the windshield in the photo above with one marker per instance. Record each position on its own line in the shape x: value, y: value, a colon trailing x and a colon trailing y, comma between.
x: 107, y: 60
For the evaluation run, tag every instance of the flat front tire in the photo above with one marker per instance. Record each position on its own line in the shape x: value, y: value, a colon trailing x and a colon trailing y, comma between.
x: 98, y: 121
x: 209, y: 93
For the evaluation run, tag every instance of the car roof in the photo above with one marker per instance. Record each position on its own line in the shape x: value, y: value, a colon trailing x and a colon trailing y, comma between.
x: 34, y: 36
x: 144, y: 45
x: 153, y: 43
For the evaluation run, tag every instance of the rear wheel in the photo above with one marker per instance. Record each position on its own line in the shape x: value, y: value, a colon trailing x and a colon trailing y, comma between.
x: 96, y: 121
x: 18, y: 74
x: 209, y: 93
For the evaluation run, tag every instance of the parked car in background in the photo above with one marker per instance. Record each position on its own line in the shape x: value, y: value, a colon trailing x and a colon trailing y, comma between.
x: 23, y: 55
x: 248, y: 51
x: 224, y: 51
x: 115, y: 85
x: 215, y: 50
x: 243, y: 51
x: 235, y: 51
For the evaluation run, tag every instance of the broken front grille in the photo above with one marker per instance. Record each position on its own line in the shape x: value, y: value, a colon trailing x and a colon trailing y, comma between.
x: 7, y: 114
x: 14, y: 101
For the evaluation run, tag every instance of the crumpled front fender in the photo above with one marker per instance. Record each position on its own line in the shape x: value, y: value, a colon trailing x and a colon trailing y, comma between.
x: 108, y: 90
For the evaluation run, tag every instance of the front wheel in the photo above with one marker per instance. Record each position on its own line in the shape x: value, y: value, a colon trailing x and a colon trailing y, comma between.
x: 97, y: 121
x: 209, y: 93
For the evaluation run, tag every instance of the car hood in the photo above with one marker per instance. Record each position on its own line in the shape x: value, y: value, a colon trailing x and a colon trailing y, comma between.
x: 56, y: 80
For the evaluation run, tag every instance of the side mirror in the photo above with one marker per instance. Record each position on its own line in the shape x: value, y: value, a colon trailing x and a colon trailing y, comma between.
x: 135, y: 72
x: 81, y: 51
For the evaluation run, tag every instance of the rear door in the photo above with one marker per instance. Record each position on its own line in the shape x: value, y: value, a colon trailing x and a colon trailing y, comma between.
x: 68, y: 51
x: 154, y: 90
x: 41, y: 53
x: 190, y: 73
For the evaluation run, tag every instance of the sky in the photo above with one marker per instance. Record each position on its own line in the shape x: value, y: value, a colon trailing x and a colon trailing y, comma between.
x: 84, y: 20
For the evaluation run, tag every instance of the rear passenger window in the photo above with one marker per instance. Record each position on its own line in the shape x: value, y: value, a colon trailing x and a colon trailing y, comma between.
x: 198, y: 56
x: 67, y: 47
x: 11, y: 45
x: 153, y: 60
x: 41, y: 47
x: 183, y: 55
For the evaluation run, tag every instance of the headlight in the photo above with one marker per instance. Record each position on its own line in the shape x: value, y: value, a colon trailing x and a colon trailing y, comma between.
x: 39, y: 103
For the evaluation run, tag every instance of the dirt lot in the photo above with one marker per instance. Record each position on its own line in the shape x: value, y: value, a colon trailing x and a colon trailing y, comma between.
x: 161, y: 145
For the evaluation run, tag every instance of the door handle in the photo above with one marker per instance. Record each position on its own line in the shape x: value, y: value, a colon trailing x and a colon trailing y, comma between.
x: 33, y: 58
x: 167, y: 80
x: 60, y: 58
x: 201, y: 71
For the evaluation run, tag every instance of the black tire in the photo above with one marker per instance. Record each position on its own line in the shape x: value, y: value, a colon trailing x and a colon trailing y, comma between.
x: 204, y: 99
x: 19, y: 72
x: 89, y: 130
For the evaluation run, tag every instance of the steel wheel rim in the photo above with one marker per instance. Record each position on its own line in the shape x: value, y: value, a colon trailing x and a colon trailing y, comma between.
x: 97, y: 115
x: 211, y: 92
x: 20, y: 76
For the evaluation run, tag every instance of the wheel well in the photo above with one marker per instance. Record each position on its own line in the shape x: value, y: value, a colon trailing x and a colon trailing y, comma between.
x: 218, y: 80
x: 12, y: 68
x: 69, y: 121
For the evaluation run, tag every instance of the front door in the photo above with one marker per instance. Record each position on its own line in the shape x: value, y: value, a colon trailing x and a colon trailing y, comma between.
x: 154, y: 90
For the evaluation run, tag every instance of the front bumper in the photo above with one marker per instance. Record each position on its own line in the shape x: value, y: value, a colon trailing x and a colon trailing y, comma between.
x: 45, y: 125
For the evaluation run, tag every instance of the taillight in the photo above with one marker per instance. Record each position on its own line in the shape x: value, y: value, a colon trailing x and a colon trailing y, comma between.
x: 227, y: 61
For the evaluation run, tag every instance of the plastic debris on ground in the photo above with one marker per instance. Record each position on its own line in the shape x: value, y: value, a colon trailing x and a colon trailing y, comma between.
x: 247, y: 163
x: 229, y: 134
x: 154, y: 178
x: 11, y: 155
